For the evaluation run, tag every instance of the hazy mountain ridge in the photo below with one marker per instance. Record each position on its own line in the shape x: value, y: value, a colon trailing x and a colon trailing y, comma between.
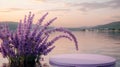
x: 112, y: 25
x: 12, y: 25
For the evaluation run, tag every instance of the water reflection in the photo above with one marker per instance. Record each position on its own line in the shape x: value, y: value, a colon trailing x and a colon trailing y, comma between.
x: 106, y: 43
x: 112, y: 35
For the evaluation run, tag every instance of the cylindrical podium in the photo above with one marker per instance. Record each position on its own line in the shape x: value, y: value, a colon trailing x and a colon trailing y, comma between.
x: 82, y: 60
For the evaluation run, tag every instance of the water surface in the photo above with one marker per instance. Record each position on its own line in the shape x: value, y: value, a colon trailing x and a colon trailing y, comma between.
x: 105, y: 43
x: 89, y: 42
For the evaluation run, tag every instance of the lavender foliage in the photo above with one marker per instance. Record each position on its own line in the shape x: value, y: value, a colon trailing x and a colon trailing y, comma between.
x: 29, y: 41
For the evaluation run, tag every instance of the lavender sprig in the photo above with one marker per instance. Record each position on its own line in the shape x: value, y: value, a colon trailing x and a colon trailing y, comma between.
x: 64, y: 31
x: 28, y: 41
x: 38, y: 24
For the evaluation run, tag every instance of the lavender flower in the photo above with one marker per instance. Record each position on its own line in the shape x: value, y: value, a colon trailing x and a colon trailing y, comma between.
x: 28, y: 41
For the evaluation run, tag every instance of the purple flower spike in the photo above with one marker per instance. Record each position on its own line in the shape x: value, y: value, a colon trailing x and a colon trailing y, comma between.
x: 38, y: 24
x: 64, y: 31
x: 57, y: 38
x: 48, y: 50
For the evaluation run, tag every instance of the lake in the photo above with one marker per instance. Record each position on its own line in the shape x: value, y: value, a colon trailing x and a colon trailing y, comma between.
x: 89, y: 42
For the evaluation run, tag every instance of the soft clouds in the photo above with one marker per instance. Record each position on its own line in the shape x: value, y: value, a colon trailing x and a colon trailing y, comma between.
x: 18, y: 9
x: 4, y: 10
x: 116, y: 17
x: 13, y: 9
x: 57, y: 10
x: 92, y: 6
x: 40, y: 0
x: 114, y: 4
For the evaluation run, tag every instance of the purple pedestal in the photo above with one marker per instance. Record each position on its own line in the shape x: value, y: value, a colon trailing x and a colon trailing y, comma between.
x: 82, y: 60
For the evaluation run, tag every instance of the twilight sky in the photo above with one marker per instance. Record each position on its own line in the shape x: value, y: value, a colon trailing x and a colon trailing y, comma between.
x: 70, y: 13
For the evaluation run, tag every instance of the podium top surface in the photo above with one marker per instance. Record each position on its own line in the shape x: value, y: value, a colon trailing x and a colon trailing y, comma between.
x: 81, y: 59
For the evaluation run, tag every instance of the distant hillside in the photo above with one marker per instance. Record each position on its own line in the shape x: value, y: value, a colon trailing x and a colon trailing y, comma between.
x: 113, y: 25
x: 78, y: 29
x: 12, y: 25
